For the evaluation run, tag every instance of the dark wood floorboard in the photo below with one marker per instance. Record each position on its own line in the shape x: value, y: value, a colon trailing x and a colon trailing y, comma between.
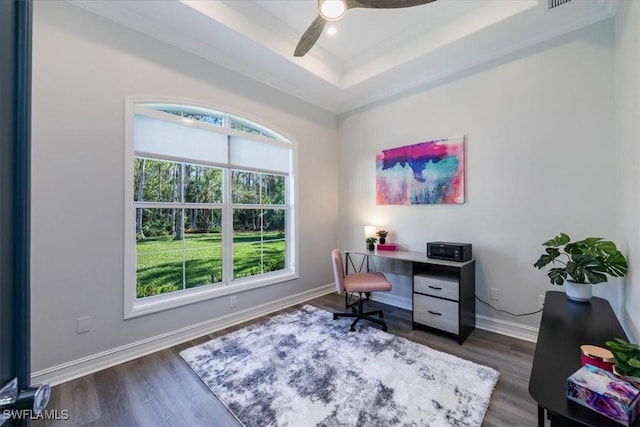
x: 161, y: 390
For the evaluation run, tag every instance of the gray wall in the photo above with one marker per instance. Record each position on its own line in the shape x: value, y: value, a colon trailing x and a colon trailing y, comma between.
x: 628, y: 150
x: 83, y: 67
x: 540, y: 160
x: 541, y: 152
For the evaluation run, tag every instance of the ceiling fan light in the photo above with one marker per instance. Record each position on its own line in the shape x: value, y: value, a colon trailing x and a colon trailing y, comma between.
x: 332, y: 9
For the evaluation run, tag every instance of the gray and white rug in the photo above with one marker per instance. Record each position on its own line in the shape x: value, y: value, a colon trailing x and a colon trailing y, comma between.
x: 305, y: 369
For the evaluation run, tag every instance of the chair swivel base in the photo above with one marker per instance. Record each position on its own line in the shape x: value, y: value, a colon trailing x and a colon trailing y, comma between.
x: 359, y: 313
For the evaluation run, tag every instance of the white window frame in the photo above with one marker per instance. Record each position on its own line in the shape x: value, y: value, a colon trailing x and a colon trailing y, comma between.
x: 134, y: 307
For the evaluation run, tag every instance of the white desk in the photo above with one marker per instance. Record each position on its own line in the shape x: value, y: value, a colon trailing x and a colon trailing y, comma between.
x: 443, y: 292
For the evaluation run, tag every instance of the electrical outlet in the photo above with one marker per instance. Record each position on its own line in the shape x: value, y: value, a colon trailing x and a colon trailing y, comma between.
x: 233, y: 301
x: 495, y: 294
x: 83, y: 324
x: 540, y: 301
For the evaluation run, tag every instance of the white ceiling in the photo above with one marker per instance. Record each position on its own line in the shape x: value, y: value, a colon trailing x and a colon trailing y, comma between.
x: 375, y: 54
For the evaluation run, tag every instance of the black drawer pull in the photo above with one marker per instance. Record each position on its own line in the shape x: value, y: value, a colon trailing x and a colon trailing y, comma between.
x: 434, y: 313
x: 435, y: 287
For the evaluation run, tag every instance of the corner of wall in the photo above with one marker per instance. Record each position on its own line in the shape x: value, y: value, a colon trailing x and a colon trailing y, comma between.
x: 632, y: 330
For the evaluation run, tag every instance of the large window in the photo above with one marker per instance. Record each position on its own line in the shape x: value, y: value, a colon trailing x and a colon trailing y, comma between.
x: 209, y: 206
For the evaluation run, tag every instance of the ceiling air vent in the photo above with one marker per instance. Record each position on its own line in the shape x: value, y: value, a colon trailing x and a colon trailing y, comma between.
x: 556, y: 3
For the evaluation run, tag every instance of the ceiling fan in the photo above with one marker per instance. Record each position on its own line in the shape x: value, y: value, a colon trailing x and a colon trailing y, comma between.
x: 332, y: 10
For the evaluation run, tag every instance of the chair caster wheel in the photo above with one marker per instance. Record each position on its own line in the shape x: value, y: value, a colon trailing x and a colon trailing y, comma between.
x: 384, y: 328
x: 335, y: 316
x: 353, y: 329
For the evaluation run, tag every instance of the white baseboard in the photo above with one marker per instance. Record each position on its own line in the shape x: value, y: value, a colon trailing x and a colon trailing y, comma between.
x: 393, y: 300
x: 84, y: 366
x: 504, y: 327
x: 80, y: 367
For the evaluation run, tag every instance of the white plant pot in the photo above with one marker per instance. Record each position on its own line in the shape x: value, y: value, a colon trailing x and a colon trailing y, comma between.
x: 580, y: 292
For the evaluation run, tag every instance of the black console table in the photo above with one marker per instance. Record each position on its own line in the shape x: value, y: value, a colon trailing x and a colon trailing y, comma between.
x: 565, y: 326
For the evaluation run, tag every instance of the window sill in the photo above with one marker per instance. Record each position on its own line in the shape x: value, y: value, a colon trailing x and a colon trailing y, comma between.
x: 178, y: 299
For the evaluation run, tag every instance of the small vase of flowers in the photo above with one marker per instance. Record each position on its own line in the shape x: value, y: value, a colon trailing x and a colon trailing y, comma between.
x: 371, y: 241
x: 382, y: 235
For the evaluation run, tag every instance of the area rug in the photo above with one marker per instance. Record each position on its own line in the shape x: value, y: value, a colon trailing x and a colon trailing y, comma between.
x: 305, y: 369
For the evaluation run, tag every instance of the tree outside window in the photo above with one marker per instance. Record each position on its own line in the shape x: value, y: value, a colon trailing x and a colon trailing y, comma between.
x: 180, y: 205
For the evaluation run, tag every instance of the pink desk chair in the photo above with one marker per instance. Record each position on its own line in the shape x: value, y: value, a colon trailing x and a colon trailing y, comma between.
x: 363, y: 284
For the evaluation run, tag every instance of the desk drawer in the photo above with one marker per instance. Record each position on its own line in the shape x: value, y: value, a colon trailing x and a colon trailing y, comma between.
x: 438, y: 286
x: 435, y: 312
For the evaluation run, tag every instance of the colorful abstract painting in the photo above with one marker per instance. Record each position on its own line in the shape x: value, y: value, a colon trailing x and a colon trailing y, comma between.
x: 426, y: 173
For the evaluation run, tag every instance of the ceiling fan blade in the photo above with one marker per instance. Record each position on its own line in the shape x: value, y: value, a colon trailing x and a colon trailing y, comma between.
x: 386, y: 4
x: 310, y: 36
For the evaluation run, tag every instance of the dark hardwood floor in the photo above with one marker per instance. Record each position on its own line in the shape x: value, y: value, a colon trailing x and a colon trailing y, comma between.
x: 161, y: 390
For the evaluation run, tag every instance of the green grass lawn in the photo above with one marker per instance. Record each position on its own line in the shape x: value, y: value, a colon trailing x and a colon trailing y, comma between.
x: 160, y: 260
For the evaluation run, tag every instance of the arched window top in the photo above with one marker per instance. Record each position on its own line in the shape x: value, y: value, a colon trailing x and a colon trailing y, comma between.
x: 215, y: 118
x: 184, y: 132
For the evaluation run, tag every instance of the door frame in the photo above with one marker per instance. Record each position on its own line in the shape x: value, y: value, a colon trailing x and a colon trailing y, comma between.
x: 15, y: 153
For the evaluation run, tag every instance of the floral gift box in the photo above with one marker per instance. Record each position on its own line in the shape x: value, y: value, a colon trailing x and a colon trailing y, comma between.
x: 605, y: 393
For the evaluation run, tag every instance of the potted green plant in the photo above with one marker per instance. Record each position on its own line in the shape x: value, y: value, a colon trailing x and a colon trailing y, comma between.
x: 582, y: 263
x: 627, y: 357
x: 382, y: 235
x: 371, y: 241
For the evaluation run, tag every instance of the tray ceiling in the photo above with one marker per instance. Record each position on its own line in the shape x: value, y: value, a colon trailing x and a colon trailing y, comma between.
x: 375, y: 54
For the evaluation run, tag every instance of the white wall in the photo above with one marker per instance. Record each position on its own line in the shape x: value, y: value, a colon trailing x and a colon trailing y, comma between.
x: 83, y: 67
x: 628, y: 150
x: 539, y: 125
x: 540, y: 160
